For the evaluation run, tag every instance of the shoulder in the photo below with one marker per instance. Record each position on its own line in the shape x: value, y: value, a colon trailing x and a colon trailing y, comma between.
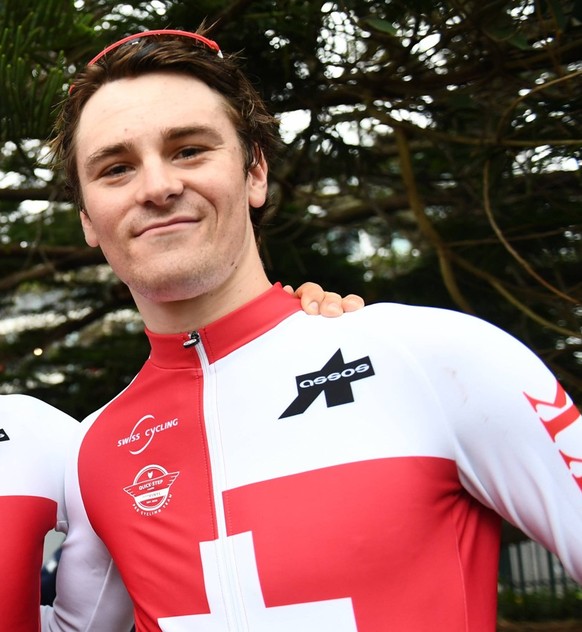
x: 26, y: 410
x: 416, y: 327
x: 35, y: 441
x: 433, y: 337
x: 422, y: 316
x: 423, y: 324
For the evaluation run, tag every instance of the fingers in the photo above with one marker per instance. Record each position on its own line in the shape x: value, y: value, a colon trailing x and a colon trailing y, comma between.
x: 352, y: 303
x: 315, y: 300
x: 311, y: 295
x: 331, y: 305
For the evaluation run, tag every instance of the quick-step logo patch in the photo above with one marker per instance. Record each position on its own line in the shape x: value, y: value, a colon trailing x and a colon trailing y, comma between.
x: 151, y: 489
x: 334, y: 379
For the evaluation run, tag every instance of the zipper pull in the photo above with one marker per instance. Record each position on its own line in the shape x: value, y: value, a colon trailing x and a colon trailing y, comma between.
x: 193, y: 340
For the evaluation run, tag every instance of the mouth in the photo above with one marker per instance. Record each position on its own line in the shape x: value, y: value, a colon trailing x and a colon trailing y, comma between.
x: 169, y: 225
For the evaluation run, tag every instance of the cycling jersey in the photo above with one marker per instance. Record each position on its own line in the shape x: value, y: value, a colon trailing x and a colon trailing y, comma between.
x: 33, y: 440
x: 279, y: 472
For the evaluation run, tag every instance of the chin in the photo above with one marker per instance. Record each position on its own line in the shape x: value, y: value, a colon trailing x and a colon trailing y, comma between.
x: 171, y: 291
x: 179, y: 284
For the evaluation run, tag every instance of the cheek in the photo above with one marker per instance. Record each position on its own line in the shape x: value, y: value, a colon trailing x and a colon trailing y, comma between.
x: 100, y: 222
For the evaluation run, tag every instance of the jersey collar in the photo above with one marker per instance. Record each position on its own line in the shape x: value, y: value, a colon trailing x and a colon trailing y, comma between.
x: 226, y: 334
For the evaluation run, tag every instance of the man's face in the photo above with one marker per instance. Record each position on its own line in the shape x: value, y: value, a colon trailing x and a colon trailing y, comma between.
x: 163, y: 184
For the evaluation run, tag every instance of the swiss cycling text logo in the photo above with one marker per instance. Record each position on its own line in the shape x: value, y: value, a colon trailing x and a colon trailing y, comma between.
x: 143, y: 433
x: 334, y: 379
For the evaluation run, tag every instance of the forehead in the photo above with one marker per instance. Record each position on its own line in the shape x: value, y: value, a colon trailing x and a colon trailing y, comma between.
x: 134, y: 107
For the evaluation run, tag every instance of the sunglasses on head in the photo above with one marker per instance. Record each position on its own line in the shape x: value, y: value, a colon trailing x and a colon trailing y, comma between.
x: 195, y: 36
x: 211, y: 44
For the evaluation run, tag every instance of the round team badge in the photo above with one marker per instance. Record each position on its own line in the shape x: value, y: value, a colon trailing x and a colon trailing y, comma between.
x: 151, y: 488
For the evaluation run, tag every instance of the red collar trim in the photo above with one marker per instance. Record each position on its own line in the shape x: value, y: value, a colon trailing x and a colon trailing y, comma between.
x: 227, y: 333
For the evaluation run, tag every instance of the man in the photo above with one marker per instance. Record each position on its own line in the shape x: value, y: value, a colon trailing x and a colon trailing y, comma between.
x: 35, y: 441
x: 268, y: 471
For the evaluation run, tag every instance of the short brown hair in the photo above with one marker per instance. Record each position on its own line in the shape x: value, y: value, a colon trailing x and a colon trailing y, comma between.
x: 257, y: 130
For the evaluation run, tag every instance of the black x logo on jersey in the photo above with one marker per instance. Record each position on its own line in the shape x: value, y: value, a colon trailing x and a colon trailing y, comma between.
x: 334, y: 379
x: 3, y: 435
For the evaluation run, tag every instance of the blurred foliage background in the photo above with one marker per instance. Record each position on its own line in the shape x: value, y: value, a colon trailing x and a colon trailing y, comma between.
x: 431, y: 156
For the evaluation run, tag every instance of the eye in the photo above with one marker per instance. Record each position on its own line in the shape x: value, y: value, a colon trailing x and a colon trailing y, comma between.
x: 189, y: 152
x: 114, y: 171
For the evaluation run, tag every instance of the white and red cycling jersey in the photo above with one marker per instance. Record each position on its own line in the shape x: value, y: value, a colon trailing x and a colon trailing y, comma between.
x: 279, y: 472
x: 34, y: 439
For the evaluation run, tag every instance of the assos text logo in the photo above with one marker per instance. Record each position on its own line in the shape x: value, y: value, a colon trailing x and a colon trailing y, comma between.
x: 334, y: 379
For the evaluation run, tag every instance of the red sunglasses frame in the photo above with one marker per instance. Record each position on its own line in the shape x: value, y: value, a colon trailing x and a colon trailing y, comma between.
x: 172, y: 32
x: 195, y: 36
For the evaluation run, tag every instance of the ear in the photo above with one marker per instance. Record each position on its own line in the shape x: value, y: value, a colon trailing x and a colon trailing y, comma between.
x: 87, y: 225
x: 257, y: 182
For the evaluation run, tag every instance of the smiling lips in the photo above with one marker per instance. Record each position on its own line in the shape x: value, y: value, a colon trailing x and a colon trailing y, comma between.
x: 167, y: 224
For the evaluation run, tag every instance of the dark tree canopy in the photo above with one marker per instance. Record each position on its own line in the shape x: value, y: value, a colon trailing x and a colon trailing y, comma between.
x: 431, y: 156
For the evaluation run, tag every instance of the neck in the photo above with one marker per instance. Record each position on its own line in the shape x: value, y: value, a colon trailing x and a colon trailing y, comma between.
x: 190, y: 314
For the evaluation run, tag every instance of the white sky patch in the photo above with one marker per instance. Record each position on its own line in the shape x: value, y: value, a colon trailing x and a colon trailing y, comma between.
x: 426, y: 43
x: 367, y: 247
x: 10, y: 179
x: 293, y: 123
x: 22, y: 323
x: 34, y: 207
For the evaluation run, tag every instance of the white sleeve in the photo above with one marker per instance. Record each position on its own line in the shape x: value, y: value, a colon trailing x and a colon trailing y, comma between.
x: 516, y: 435
x: 91, y: 596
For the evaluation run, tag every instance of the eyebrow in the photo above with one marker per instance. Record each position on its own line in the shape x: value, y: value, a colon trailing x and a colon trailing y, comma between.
x: 105, y: 152
x: 176, y: 133
x: 171, y: 134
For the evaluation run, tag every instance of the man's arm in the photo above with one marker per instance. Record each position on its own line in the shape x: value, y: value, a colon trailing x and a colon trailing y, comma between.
x: 90, y: 593
x: 515, y: 433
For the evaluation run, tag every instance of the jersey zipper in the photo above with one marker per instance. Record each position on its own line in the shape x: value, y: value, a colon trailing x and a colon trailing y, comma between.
x: 230, y: 589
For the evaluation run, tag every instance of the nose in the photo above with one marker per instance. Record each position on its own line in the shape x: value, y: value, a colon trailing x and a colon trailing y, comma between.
x: 159, y: 183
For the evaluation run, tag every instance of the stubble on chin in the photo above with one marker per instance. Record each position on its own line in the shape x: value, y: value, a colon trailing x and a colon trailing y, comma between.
x: 177, y: 283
